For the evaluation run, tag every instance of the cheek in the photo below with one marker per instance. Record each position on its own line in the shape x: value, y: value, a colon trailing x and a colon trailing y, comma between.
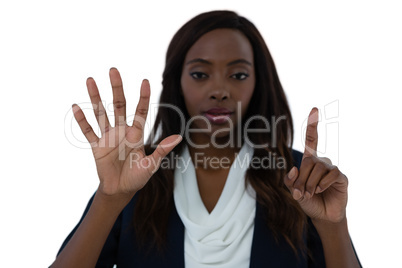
x: 246, y: 96
x: 191, y: 100
x: 184, y: 83
x: 192, y: 94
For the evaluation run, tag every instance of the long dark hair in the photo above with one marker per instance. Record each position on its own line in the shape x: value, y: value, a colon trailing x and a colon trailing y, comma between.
x: 155, y: 201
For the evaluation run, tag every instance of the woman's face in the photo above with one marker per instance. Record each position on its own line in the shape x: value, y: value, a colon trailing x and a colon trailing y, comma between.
x: 217, y: 81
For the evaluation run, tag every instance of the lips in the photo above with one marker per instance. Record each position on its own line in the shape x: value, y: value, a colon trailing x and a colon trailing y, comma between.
x: 218, y: 115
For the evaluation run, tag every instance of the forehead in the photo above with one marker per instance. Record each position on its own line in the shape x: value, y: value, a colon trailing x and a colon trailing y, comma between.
x: 221, y: 45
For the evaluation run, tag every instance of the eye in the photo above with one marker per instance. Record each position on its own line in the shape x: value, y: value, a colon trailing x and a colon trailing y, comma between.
x: 198, y: 75
x: 239, y: 76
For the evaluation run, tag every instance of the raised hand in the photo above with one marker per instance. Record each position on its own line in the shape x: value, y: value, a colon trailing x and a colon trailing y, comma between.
x: 121, y: 162
x: 319, y: 187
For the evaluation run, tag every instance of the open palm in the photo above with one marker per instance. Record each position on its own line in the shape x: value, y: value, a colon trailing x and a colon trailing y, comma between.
x: 121, y: 162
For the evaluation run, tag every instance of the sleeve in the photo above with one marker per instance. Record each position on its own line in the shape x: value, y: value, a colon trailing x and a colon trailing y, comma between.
x: 108, y: 255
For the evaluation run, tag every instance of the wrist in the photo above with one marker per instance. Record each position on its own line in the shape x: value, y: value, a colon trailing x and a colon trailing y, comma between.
x: 112, y: 203
x: 328, y: 228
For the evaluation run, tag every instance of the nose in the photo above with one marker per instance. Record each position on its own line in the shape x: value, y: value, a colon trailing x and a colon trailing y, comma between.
x: 219, y: 92
x: 219, y: 95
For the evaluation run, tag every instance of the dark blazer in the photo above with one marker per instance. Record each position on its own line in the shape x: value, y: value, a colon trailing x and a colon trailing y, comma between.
x: 121, y: 249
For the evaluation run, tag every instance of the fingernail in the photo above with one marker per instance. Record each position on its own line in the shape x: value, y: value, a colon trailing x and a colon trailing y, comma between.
x: 292, y: 173
x: 180, y: 138
x: 318, y: 190
x: 297, y: 194
x: 75, y: 108
x: 307, y: 195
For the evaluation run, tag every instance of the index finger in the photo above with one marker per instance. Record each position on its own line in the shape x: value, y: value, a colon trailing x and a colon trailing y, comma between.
x: 311, y: 134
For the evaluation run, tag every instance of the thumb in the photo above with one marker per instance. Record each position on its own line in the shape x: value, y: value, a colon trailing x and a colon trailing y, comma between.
x: 165, y: 147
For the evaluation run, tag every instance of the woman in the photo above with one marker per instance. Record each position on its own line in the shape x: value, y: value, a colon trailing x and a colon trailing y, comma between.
x: 189, y: 201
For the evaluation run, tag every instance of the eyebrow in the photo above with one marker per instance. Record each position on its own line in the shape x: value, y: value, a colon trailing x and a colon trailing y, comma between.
x: 229, y: 64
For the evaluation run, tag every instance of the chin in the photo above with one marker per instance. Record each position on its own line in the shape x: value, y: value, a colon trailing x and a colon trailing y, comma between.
x: 222, y: 135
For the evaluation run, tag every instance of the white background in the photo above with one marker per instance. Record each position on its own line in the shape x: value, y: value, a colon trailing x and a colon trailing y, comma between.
x: 345, y: 55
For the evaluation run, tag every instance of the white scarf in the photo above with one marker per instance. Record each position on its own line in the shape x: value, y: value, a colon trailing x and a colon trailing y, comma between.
x: 224, y: 237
